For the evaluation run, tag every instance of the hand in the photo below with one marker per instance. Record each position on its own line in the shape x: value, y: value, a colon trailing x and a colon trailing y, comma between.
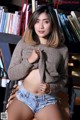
x: 12, y: 96
x: 44, y: 88
x: 34, y: 56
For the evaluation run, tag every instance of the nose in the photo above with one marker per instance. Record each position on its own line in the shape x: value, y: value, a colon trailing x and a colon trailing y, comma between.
x: 41, y: 25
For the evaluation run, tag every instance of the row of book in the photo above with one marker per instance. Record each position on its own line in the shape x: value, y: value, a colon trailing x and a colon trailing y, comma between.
x: 15, y: 22
x: 9, y: 22
x: 70, y: 25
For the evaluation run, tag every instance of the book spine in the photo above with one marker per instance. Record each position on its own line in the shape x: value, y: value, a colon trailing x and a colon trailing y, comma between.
x: 33, y: 6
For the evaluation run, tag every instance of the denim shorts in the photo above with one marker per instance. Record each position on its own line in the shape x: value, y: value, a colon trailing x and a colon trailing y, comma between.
x: 33, y: 101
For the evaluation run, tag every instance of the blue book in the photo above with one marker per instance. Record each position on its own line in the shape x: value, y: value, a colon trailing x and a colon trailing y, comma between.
x: 2, y: 22
x: 5, y: 22
x: 69, y: 28
x: 65, y: 29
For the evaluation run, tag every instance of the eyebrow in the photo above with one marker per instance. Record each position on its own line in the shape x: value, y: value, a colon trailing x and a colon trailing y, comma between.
x: 44, y: 19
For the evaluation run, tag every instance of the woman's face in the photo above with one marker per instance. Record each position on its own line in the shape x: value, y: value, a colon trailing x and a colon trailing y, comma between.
x: 42, y: 26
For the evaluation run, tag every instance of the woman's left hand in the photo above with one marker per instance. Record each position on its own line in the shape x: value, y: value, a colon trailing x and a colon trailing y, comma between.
x: 44, y: 88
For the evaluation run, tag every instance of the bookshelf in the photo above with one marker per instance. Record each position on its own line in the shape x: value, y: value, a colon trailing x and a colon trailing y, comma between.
x: 72, y: 40
x: 10, y: 40
x: 7, y: 44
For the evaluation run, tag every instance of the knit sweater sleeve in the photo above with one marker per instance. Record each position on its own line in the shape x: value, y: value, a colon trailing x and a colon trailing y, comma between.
x: 63, y: 71
x: 18, y: 67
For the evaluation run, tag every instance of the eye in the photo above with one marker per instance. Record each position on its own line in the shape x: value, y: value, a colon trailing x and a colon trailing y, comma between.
x: 37, y: 21
x: 47, y: 21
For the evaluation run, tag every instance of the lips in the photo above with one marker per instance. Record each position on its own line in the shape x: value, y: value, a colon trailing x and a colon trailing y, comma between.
x: 41, y: 32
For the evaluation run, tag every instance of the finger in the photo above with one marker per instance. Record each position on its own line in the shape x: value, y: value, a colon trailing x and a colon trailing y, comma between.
x: 43, y: 86
x: 42, y: 89
x: 15, y: 86
x: 8, y: 104
x: 11, y: 97
x: 38, y: 52
x: 15, y: 90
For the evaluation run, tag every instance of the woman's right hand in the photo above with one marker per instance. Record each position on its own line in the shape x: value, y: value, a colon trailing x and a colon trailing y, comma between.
x: 13, y: 94
x: 34, y: 56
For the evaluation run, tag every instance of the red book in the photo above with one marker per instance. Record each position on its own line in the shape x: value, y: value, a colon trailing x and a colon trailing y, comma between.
x: 23, y: 17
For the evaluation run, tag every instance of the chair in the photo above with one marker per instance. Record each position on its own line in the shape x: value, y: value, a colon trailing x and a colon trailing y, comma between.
x: 67, y: 103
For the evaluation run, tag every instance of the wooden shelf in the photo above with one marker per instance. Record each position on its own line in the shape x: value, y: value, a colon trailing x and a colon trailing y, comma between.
x: 9, y: 38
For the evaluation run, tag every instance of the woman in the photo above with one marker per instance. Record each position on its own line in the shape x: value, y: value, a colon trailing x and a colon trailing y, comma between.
x: 40, y: 61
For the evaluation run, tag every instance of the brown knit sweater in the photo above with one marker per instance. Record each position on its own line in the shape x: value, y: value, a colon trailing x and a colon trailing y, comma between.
x: 52, y: 64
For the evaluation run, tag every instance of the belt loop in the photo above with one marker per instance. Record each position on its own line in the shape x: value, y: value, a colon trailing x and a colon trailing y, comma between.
x: 43, y: 97
x: 27, y: 94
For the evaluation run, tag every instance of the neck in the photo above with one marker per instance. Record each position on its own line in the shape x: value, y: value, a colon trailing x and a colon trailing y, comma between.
x: 43, y: 40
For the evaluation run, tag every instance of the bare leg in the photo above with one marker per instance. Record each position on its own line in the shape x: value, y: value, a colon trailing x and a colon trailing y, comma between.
x: 19, y: 111
x: 50, y: 112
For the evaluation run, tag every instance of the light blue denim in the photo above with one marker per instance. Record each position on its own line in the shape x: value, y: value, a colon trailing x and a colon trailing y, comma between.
x: 33, y: 101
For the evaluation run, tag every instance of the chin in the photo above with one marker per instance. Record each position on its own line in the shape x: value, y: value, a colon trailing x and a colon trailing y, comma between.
x: 43, y: 36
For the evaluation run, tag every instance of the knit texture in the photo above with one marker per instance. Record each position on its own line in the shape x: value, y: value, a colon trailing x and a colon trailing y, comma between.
x: 52, y: 64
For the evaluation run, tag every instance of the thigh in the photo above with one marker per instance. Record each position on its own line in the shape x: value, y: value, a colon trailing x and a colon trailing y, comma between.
x: 19, y: 111
x: 50, y: 112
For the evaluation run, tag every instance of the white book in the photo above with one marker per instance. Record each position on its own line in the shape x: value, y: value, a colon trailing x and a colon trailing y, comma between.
x: 24, y: 8
x: 4, y: 81
x: 8, y: 22
x: 27, y: 16
x: 75, y: 19
x: 15, y: 25
x: 1, y: 21
x: 1, y: 12
x: 33, y: 5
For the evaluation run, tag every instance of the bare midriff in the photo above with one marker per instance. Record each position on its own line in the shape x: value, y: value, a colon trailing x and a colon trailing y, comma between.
x: 32, y: 82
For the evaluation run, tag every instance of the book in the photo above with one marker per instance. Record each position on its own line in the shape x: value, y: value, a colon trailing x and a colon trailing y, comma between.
x: 15, y: 25
x: 27, y: 16
x: 76, y: 22
x: 65, y: 29
x: 22, y: 19
x: 33, y: 5
x: 59, y: 24
x: 76, y: 57
x: 1, y: 12
x: 8, y: 22
x: 5, y: 22
x: 1, y: 21
x: 70, y: 29
x: 75, y: 71
x: 74, y: 28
